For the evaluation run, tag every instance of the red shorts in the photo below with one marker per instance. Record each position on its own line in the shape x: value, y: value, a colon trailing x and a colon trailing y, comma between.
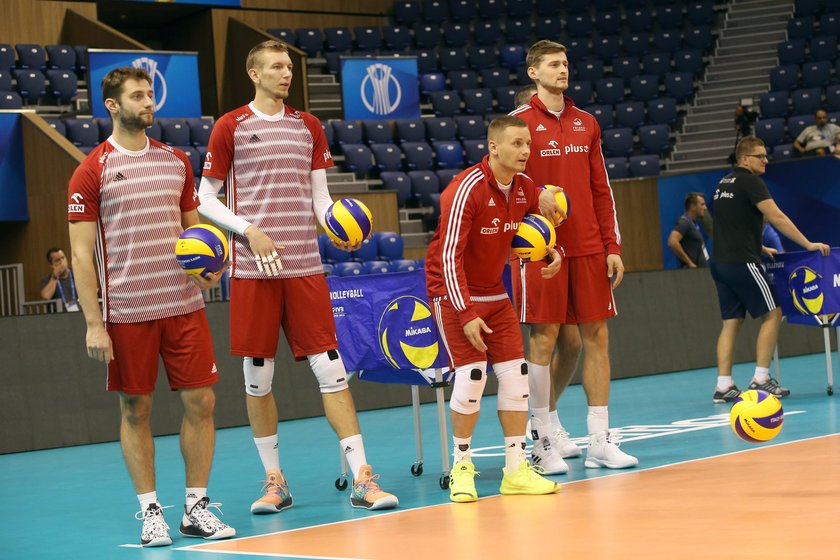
x: 184, y: 343
x: 503, y: 344
x: 301, y: 305
x: 580, y: 293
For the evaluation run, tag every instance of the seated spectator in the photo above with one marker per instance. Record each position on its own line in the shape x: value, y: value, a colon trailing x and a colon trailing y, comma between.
x: 837, y: 145
x: 818, y: 139
x: 685, y: 240
x: 59, y: 283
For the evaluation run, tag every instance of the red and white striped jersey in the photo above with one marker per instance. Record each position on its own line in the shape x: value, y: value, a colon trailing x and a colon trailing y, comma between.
x: 266, y: 162
x: 471, y: 244
x: 566, y: 152
x: 136, y: 200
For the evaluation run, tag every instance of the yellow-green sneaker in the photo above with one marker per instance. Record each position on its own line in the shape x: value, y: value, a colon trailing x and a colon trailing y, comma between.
x: 462, y: 483
x: 527, y: 479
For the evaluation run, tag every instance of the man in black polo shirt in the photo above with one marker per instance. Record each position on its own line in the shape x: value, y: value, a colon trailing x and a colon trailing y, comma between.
x: 685, y: 240
x: 741, y: 203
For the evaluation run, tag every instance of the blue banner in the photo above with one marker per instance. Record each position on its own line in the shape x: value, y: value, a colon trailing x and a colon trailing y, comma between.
x: 808, y: 286
x: 12, y: 175
x: 235, y: 3
x: 386, y: 330
x: 174, y: 79
x: 380, y: 88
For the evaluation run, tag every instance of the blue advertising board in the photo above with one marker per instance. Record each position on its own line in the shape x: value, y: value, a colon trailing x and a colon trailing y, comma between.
x: 380, y: 88
x: 174, y: 79
x: 807, y: 285
x: 12, y: 177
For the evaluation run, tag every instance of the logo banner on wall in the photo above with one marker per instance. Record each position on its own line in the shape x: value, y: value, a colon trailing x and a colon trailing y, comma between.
x: 380, y: 88
x: 385, y: 328
x: 808, y: 286
x: 174, y: 79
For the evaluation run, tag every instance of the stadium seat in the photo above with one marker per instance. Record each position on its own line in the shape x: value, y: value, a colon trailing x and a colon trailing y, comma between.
x: 410, y: 130
x: 347, y: 268
x: 511, y: 56
x: 816, y: 74
x: 358, y: 159
x: 440, y: 128
x: 310, y: 40
x: 82, y: 132
x: 375, y: 267
x: 580, y: 92
x: 505, y: 98
x: 452, y: 59
x: 824, y: 48
x: 603, y: 114
x: 31, y: 57
x: 63, y: 85
x: 805, y: 101
x: 700, y: 12
x: 403, y: 265
x: 591, y: 69
x: 455, y: 34
x: 445, y: 103
x: 495, y: 77
x: 418, y: 155
x: 427, y: 61
x: 616, y: 167
x: 284, y: 34
x: 396, y: 37
x: 630, y: 114
x: 432, y: 81
x: 519, y: 8
x: 426, y: 35
x: 639, y: 19
x: 480, y: 57
x: 463, y: 10
x: 617, y: 142
x: 389, y: 245
x: 474, y: 151
x: 610, y: 90
x: 378, y: 132
x: 10, y: 100
x: 486, y: 34
x: 784, y: 78
x: 832, y: 97
x: 655, y: 138
x: 368, y: 38
x: 607, y: 47
x: 368, y: 251
x: 771, y: 131
x: 626, y: 67
x: 636, y: 43
x: 462, y: 79
x: 329, y: 270
x: 155, y: 131
x: 773, y: 104
x: 608, y: 22
x: 31, y: 84
x: 338, y: 39
x: 662, y: 110
x: 192, y: 155
x: 791, y: 52
x: 830, y: 24
x: 667, y: 40
x: 577, y: 25
x: 200, y: 130
x: 644, y: 166
x: 333, y: 254
x: 106, y: 128
x: 668, y: 16
x: 800, y: 27
x: 689, y: 60
x: 61, y: 57
x: 477, y: 101
x: 491, y: 9
x: 174, y: 132
x: 81, y: 58
x: 399, y: 182
x: 517, y: 31
x: 699, y: 37
x: 679, y: 85
x: 387, y: 157
x: 448, y: 155
x: 644, y: 87
x: 548, y: 26
x: 445, y: 176
x: 436, y: 11
x: 656, y: 63
x: 406, y: 11
x: 57, y: 124
x: 7, y: 57
x: 347, y: 132
x: 423, y: 183
x: 783, y: 152
x: 326, y: 126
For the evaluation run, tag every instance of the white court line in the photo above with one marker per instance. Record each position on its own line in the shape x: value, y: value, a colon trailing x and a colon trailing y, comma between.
x: 450, y: 504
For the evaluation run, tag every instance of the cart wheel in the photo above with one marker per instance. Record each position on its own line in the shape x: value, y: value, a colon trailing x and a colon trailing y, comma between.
x: 830, y: 390
x: 341, y: 484
x: 444, y: 481
x: 417, y: 469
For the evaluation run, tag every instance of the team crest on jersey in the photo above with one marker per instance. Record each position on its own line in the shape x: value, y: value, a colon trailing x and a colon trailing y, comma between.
x: 296, y: 115
x: 208, y: 165
x: 77, y: 207
x: 577, y: 125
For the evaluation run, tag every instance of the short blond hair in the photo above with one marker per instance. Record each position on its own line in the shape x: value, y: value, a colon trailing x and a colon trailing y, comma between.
x: 500, y: 124
x: 270, y: 45
x: 746, y: 145
x: 541, y: 48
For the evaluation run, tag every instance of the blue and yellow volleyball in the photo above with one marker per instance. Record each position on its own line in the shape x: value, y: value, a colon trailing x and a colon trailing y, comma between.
x: 349, y: 221
x: 201, y: 248
x: 533, y: 238
x: 562, y: 201
x: 407, y: 334
x: 805, y: 290
x: 756, y: 416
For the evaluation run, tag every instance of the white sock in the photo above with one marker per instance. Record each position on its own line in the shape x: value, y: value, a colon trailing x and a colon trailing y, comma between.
x: 724, y: 382
x: 761, y: 375
x: 354, y: 452
x: 539, y: 386
x: 461, y: 449
x: 193, y: 496
x: 554, y: 418
x: 542, y: 427
x: 597, y: 419
x: 514, y: 453
x: 267, y: 448
x: 147, y: 499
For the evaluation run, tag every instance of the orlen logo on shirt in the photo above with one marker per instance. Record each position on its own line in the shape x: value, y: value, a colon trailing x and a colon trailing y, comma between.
x: 573, y: 149
x: 208, y: 165
x: 554, y: 151
x: 491, y: 230
x: 76, y: 208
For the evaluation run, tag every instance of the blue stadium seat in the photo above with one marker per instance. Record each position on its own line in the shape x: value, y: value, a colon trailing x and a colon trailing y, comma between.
x: 323, y: 240
x: 511, y: 56
x: 192, y: 155
x: 577, y: 48
x: 347, y: 268
x: 487, y: 33
x: 679, y: 85
x: 435, y: 11
x: 617, y: 142
x: 399, y: 182
x: 448, y: 155
x: 329, y: 270
x: 610, y: 90
x: 517, y: 31
x: 477, y: 101
x: 616, y: 167
x: 783, y: 152
x: 639, y: 19
x: 805, y: 101
x: 700, y: 12
x: 603, y: 114
x: 358, y: 159
x: 423, y: 184
x: 784, y: 78
x: 462, y: 79
x: 432, y: 81
x: 334, y: 255
x: 86, y: 149
x: 577, y: 25
x: 452, y: 59
x: 200, y: 130
x: 689, y: 60
x: 830, y: 24
x: 455, y: 34
x: 607, y: 47
x: 5, y: 80
x: 832, y: 97
x: 333, y: 61
x: 463, y: 10
x: 410, y: 130
x: 10, y: 100
x: 440, y: 128
x: 644, y: 166
x: 63, y: 85
x: 824, y: 48
x: 551, y: 7
x: 396, y: 37
x: 667, y: 40
x: 608, y: 22
x: 406, y: 11
x: 57, y: 124
x: 378, y: 132
x: 338, y: 39
x: 654, y: 138
x: 82, y: 132
x: 347, y: 132
x: 797, y: 123
x: 155, y: 131
x: 662, y: 110
x: 590, y: 69
x: 656, y: 63
x: 630, y: 114
x: 285, y: 34
x: 699, y: 37
x: 7, y: 57
x: 174, y: 132
x: 481, y: 56
x: 106, y: 128
x: 375, y: 267
x: 310, y: 40
x: 771, y: 131
x: 387, y: 157
x: 445, y: 176
x: 368, y: 251
x: 669, y: 16
x: 495, y: 77
x: 61, y: 57
x: 426, y: 35
x: 636, y: 43
x: 626, y: 67
x: 491, y: 9
x: 519, y: 8
x: 816, y: 74
x: 31, y: 84
x: 791, y: 52
x: 427, y: 61
x: 580, y: 92
x: 81, y: 58
x: 800, y: 27
x: 326, y: 126
x: 31, y: 56
x: 505, y: 98
x: 644, y: 87
x: 445, y: 103
x: 474, y: 151
x: 403, y: 265
x: 368, y: 38
x: 418, y: 155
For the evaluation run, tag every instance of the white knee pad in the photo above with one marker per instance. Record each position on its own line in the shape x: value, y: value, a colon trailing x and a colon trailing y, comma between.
x: 259, y: 373
x: 329, y: 370
x: 513, y: 385
x: 468, y: 387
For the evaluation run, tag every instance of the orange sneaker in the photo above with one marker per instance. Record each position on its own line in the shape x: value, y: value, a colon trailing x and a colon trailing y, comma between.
x: 276, y: 495
x: 367, y: 493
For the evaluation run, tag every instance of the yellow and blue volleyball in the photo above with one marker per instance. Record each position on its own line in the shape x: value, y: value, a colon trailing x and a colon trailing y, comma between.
x: 201, y: 248
x: 407, y: 334
x: 756, y: 416
x: 348, y: 220
x: 806, y: 290
x: 562, y: 201
x: 533, y: 238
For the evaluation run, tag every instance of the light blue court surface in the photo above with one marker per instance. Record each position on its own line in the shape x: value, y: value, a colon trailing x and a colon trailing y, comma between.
x: 78, y: 503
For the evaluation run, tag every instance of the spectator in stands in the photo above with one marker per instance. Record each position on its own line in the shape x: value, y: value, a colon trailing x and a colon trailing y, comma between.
x: 151, y: 308
x: 59, y: 283
x: 276, y: 202
x: 464, y: 277
x: 523, y: 95
x: 837, y: 145
x: 819, y: 139
x: 570, y: 311
x: 741, y: 204
x: 686, y: 240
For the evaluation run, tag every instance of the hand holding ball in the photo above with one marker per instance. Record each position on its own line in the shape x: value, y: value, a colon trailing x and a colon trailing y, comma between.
x: 533, y: 238
x: 201, y: 248
x: 348, y: 221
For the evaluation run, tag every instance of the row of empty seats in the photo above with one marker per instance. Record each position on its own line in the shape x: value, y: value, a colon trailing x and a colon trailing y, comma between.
x: 86, y: 132
x: 811, y: 74
x: 371, y: 267
x: 37, y: 57
x: 799, y: 102
x: 776, y: 131
x: 380, y: 246
x: 55, y: 87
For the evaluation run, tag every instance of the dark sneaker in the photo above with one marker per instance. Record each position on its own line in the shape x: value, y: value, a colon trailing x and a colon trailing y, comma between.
x: 200, y: 522
x: 771, y: 386
x: 729, y: 395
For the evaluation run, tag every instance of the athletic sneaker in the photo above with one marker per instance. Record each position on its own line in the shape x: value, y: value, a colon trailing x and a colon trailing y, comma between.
x: 199, y: 522
x: 527, y: 479
x: 604, y: 452
x: 276, y: 496
x: 561, y: 441
x: 367, y: 493
x: 544, y: 455
x: 729, y: 395
x: 462, y: 483
x: 771, y: 386
x: 155, y: 531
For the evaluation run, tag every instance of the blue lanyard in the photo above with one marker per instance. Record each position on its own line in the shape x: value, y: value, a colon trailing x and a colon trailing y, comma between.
x: 72, y: 289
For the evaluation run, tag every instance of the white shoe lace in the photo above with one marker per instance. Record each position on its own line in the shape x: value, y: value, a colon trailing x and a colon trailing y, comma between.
x: 155, y: 520
x: 206, y: 518
x: 560, y: 435
x: 614, y: 438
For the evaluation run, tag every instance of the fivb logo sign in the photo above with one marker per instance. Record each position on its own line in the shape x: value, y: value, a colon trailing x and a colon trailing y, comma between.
x: 380, y: 91
x: 150, y: 65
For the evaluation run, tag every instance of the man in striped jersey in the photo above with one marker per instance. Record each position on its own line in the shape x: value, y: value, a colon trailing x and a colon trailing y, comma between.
x: 273, y: 159
x: 572, y: 309
x: 741, y: 204
x: 480, y: 212
x: 128, y: 202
